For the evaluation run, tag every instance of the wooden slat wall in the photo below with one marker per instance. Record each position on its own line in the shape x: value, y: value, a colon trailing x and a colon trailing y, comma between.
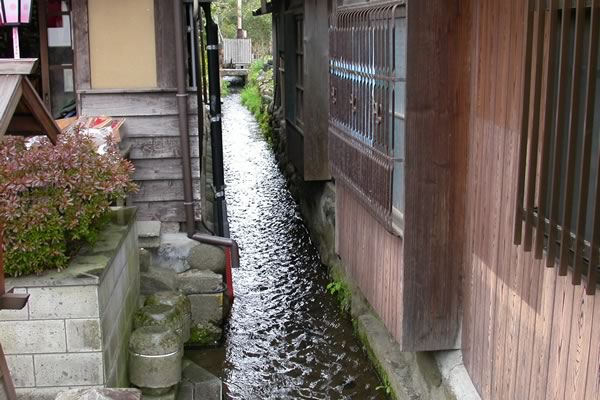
x: 372, y: 257
x: 527, y: 333
x: 151, y: 128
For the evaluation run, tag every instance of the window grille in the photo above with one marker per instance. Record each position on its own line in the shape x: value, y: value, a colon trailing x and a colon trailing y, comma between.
x: 558, y: 201
x: 366, y: 126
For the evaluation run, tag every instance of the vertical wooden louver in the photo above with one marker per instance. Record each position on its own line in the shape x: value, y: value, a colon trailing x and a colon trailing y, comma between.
x: 559, y: 162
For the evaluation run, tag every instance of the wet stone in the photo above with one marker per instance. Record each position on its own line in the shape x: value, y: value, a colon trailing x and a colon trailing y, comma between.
x: 161, y: 315
x: 207, y: 257
x: 156, y: 280
x: 204, y: 385
x: 145, y: 260
x: 207, y: 308
x: 197, y: 281
x: 180, y: 302
x: 155, y: 359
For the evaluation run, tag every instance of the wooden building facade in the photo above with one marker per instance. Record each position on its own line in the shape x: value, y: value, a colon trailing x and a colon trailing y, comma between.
x: 117, y: 58
x: 463, y: 140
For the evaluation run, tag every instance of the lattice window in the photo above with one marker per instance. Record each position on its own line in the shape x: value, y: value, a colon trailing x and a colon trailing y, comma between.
x: 558, y: 201
x: 367, y: 106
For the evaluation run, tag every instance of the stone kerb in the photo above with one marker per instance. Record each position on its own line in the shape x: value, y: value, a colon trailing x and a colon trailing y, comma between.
x: 73, y: 333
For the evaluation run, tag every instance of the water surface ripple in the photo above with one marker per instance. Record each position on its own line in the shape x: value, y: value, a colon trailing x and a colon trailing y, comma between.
x: 285, y: 338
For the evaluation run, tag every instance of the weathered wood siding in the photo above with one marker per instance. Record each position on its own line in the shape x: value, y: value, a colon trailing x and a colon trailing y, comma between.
x: 527, y: 333
x: 372, y: 257
x: 151, y: 128
x: 414, y: 282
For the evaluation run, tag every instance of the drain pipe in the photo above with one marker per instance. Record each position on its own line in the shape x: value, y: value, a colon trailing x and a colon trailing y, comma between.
x: 216, y: 129
x: 182, y: 107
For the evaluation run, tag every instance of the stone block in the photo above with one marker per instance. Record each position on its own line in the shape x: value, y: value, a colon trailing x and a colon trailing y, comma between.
x: 197, y: 281
x: 100, y: 394
x: 83, y: 335
x: 207, y: 257
x: 155, y: 358
x: 170, y: 227
x: 145, y: 260
x: 173, y: 251
x: 63, y: 302
x: 207, y: 308
x: 39, y: 393
x: 21, y: 370
x: 29, y: 337
x: 16, y: 315
x: 206, y: 385
x: 149, y: 234
x: 157, y: 280
x: 73, y: 369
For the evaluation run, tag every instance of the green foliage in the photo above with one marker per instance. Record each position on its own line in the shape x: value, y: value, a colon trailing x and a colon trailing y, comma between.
x: 204, y: 335
x: 53, y: 199
x: 386, y: 387
x: 343, y: 294
x: 259, y: 28
x: 225, y: 88
x: 252, y: 97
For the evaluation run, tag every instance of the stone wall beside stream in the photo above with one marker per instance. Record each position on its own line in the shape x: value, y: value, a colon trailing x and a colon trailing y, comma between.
x: 75, y: 329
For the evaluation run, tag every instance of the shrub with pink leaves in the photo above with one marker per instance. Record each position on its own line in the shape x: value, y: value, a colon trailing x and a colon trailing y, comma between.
x: 53, y: 199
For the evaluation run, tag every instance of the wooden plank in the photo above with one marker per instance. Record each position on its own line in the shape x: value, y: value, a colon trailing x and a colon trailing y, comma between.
x: 10, y: 95
x: 592, y: 387
x: 561, y: 336
x: 547, y: 105
x: 162, y: 191
x: 22, y: 66
x: 579, y: 349
x: 567, y: 228
x: 156, y: 126
x: 133, y: 104
x: 524, y: 132
x: 81, y: 43
x: 316, y: 111
x: 165, y: 48
x: 534, y: 121
x: 556, y: 160
x: 160, y: 147
x: 161, y: 169
x: 586, y: 150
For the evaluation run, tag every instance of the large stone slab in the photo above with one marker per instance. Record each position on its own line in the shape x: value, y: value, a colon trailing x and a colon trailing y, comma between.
x: 100, y: 394
x: 207, y: 308
x: 197, y: 281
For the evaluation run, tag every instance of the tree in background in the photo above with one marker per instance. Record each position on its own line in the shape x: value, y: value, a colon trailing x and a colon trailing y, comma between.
x: 259, y: 28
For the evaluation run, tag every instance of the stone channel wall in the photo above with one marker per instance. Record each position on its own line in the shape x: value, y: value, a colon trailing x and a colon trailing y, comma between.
x: 75, y: 328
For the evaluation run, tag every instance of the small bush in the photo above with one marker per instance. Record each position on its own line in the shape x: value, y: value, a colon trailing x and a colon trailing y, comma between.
x: 225, y: 88
x: 53, y: 199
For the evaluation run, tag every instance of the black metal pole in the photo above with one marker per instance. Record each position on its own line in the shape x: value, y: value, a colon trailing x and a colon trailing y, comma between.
x: 216, y: 129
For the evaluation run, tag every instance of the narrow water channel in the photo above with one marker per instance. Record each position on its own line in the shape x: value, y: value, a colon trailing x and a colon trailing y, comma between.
x: 285, y: 338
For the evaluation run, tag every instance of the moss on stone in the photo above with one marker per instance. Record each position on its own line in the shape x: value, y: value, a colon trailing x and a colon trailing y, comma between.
x: 205, y: 335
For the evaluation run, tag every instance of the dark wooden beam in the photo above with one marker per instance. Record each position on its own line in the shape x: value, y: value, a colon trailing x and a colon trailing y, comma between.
x: 35, y: 104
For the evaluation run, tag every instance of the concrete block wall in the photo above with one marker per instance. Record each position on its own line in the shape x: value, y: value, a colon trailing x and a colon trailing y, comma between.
x: 73, y: 332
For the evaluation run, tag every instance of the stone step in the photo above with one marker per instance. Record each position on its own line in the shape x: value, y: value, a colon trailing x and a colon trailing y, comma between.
x: 199, y: 384
x: 149, y: 234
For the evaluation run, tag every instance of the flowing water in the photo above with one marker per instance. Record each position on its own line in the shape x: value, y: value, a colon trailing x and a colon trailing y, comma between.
x: 285, y: 338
